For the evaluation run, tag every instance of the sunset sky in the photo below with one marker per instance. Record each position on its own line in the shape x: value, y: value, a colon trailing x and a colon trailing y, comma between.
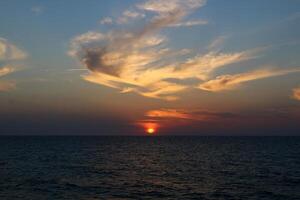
x: 124, y: 67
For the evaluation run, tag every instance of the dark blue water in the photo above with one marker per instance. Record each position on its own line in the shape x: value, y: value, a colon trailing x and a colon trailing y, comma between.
x: 91, y: 168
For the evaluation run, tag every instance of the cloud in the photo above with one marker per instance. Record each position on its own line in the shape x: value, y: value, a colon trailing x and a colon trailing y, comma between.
x: 135, y: 73
x: 296, y: 93
x: 140, y: 61
x: 190, y: 23
x: 227, y: 82
x: 6, y: 85
x: 9, y: 51
x: 106, y: 20
x: 130, y: 15
x: 133, y: 14
x: 37, y: 9
x: 169, y: 113
x: 163, y: 7
x: 175, y: 117
x: 83, y: 41
x: 184, y: 114
x: 201, y: 66
x: 126, y: 17
x: 217, y: 43
x: 6, y: 70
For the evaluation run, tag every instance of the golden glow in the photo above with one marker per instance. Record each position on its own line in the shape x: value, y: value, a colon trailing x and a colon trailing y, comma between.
x: 226, y: 82
x: 150, y: 130
x: 149, y: 127
x: 169, y: 113
x: 6, y: 69
x: 140, y: 61
x: 296, y: 93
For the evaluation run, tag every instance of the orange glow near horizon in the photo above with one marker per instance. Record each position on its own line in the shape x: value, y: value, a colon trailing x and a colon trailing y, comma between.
x: 150, y: 130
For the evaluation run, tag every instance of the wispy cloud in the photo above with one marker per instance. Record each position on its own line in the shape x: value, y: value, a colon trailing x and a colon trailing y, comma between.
x: 126, y: 17
x: 140, y: 61
x: 6, y: 85
x: 296, y: 93
x: 6, y: 70
x: 9, y: 51
x: 106, y: 20
x: 37, y: 10
x: 190, y: 23
x: 164, y: 7
x: 172, y: 117
x: 185, y: 114
x: 135, y: 72
x: 129, y: 15
x: 217, y: 43
x: 227, y: 82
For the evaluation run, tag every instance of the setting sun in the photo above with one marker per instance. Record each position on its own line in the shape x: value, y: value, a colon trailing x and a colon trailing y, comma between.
x: 150, y: 130
x: 149, y: 127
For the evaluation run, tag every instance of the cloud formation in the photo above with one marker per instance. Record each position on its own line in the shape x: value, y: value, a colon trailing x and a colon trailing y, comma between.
x: 106, y: 20
x: 227, y: 82
x: 190, y: 23
x: 6, y: 85
x: 129, y: 15
x: 194, y: 114
x: 140, y: 61
x: 37, y: 9
x: 164, y: 7
x: 9, y: 51
x: 6, y: 70
x: 175, y: 117
x: 296, y: 93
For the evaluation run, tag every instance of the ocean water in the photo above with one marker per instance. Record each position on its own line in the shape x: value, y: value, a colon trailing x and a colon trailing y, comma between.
x: 90, y: 168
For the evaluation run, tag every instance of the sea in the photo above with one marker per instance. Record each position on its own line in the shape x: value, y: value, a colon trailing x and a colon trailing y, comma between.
x: 128, y: 167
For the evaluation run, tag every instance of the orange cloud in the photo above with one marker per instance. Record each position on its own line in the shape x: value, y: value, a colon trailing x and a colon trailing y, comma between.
x: 227, y: 82
x: 139, y: 61
x: 6, y: 70
x: 140, y: 66
x: 7, y: 85
x: 296, y: 93
x: 9, y: 51
x: 194, y: 114
x: 169, y: 113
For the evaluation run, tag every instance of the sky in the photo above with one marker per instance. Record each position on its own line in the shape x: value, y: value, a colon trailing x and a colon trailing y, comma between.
x: 177, y: 67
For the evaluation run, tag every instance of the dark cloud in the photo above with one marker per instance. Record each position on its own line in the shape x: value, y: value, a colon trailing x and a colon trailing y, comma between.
x: 93, y: 60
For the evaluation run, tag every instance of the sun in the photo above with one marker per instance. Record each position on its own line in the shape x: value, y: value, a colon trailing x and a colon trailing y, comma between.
x: 150, y: 130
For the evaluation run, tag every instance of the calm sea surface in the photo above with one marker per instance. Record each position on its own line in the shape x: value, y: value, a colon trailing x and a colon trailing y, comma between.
x: 90, y: 168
